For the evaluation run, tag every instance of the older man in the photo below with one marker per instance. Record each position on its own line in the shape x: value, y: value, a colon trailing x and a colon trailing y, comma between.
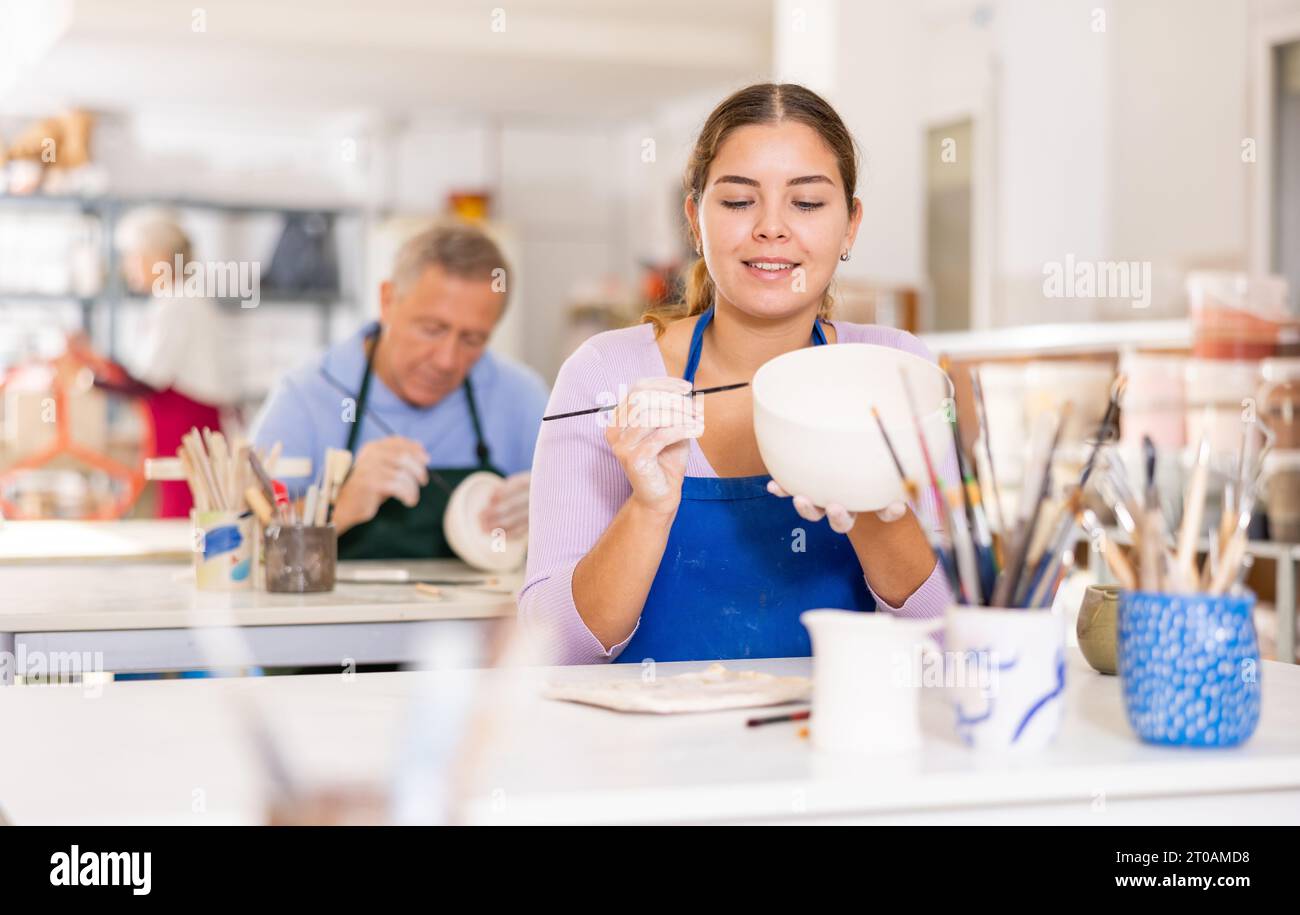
x: 419, y: 401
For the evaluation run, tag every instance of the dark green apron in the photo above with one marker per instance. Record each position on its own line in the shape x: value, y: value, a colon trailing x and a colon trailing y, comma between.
x: 398, y: 532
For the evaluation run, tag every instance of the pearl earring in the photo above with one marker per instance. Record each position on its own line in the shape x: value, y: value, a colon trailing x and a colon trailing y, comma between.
x: 844, y: 256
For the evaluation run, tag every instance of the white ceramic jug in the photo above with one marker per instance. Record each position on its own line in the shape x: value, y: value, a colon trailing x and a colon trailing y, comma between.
x: 867, y: 679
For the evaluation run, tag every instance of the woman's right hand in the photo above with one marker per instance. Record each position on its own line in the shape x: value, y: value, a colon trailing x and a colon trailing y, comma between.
x: 649, y: 432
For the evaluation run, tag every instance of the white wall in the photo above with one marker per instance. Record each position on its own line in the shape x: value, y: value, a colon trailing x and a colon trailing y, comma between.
x: 879, y: 86
x: 1178, y: 110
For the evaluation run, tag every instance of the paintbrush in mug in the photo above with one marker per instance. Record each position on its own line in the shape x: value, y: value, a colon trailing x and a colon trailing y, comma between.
x: 963, y: 551
x: 1112, y: 483
x: 981, y: 535
x: 1045, y: 594
x: 1119, y: 564
x: 982, y: 421
x: 909, y: 485
x: 940, y: 506
x: 1062, y: 535
x: 611, y: 406
x: 946, y: 562
x: 1031, y: 506
x: 1108, y: 429
x: 1153, y: 525
x: 1193, y: 510
x: 264, y: 481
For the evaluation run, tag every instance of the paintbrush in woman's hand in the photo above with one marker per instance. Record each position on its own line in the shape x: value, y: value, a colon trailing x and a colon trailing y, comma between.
x: 610, y: 406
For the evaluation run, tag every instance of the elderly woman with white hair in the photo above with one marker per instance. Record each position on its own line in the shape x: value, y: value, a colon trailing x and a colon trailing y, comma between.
x: 177, y: 364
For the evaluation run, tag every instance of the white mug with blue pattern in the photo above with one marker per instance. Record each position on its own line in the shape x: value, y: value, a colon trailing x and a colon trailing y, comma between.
x: 1005, y: 676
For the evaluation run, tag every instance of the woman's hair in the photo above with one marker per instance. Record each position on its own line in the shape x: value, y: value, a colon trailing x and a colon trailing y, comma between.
x: 762, y: 103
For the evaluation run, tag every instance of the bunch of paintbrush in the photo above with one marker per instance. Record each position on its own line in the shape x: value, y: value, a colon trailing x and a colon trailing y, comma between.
x: 1166, y: 563
x: 1018, y: 562
x: 318, y: 505
x: 215, y: 471
x: 269, y: 497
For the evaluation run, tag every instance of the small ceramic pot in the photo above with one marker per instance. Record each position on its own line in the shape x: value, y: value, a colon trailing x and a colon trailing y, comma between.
x: 1096, y: 627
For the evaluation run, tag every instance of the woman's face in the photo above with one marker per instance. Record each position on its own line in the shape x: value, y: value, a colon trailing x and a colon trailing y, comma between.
x: 773, y: 218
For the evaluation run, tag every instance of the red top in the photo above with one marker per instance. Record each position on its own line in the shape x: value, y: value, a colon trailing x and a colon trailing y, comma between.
x: 174, y: 415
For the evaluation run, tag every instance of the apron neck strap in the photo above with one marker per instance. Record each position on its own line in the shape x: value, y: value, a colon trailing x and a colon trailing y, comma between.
x: 697, y: 342
x: 363, y: 396
x: 480, y: 444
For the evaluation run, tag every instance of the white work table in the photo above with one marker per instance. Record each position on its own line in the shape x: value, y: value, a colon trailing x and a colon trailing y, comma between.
x: 95, y: 541
x: 171, y: 752
x: 141, y: 616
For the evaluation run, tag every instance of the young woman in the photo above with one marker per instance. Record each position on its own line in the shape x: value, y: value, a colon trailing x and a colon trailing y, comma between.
x: 658, y: 535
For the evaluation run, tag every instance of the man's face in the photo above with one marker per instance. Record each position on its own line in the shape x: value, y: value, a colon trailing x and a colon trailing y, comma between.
x: 435, y: 329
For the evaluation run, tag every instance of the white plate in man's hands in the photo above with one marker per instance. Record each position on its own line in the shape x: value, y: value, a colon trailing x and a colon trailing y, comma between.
x: 464, y: 531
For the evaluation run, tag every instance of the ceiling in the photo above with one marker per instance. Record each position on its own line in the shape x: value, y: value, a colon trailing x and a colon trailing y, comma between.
x: 545, y: 58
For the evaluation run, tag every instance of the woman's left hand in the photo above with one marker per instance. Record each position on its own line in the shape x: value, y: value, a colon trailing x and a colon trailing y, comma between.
x: 840, y: 518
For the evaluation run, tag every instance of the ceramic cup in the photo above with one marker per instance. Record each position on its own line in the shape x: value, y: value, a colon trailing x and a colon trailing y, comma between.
x: 1189, y: 667
x: 1005, y: 676
x: 301, y: 559
x: 1096, y: 627
x: 867, y: 680
x: 223, y: 550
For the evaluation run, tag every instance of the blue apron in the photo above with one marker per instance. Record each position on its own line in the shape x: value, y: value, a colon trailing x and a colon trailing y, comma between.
x: 739, y: 568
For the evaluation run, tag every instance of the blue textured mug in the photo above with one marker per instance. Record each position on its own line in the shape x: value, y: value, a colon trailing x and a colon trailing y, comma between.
x: 1189, y: 667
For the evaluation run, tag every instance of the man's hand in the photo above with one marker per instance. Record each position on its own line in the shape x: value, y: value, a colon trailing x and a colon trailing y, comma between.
x: 508, y: 507
x: 386, y: 468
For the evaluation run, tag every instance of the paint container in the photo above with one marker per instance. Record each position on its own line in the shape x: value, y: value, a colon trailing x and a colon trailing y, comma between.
x: 1236, y: 315
x: 1189, y: 667
x: 1155, y: 400
x: 223, y: 550
x: 1005, y: 676
x: 300, y: 560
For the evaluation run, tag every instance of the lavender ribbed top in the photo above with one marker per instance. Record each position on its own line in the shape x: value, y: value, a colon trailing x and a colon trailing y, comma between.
x: 578, y: 487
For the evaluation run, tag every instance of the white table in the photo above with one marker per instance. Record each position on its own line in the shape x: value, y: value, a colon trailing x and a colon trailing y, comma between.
x: 141, y: 616
x: 171, y: 752
x: 94, y: 541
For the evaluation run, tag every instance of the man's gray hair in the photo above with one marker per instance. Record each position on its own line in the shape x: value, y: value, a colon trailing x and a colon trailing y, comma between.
x: 463, y: 250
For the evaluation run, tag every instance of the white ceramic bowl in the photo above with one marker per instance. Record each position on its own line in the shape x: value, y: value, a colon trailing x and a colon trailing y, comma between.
x: 466, y: 536
x: 812, y: 418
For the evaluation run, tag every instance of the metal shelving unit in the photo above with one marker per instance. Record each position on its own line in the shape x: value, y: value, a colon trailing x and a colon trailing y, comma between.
x: 107, y: 210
